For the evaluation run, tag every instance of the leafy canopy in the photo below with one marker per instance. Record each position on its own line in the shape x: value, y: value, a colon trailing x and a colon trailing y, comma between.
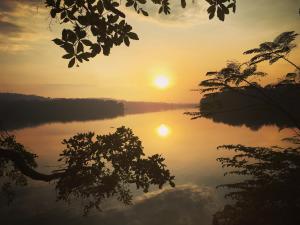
x: 241, y: 77
x: 95, y: 26
x: 267, y: 190
x: 237, y: 75
x: 234, y: 75
x: 272, y: 51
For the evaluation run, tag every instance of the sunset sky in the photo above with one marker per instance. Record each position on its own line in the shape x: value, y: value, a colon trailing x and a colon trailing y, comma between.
x: 181, y: 47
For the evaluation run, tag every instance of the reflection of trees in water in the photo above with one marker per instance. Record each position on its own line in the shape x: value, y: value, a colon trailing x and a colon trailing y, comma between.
x: 86, y: 176
x: 94, y: 168
x: 20, y: 111
x: 270, y: 193
x: 185, y: 204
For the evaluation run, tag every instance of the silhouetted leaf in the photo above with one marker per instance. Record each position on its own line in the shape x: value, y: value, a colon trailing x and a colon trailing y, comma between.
x: 58, y: 41
x: 224, y: 9
x: 53, y: 13
x: 211, y: 11
x: 87, y: 42
x: 83, y: 20
x: 144, y: 12
x: 183, y: 3
x: 80, y: 47
x: 160, y: 9
x: 106, y: 50
x: 68, y: 47
x: 133, y: 36
x: 71, y: 63
x: 126, y: 41
x: 68, y: 56
x: 129, y: 3
x: 220, y: 14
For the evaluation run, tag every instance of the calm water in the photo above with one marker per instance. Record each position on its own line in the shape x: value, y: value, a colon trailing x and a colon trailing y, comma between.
x: 189, y: 147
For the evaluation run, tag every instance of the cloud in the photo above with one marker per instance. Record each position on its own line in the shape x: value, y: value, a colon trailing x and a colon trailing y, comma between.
x: 194, y: 13
x: 17, y: 29
x: 23, y: 22
x: 10, y: 5
x: 9, y: 28
x: 183, y: 205
x: 6, y: 6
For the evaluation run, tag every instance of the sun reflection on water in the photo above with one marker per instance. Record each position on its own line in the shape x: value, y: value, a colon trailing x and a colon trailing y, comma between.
x: 163, y: 130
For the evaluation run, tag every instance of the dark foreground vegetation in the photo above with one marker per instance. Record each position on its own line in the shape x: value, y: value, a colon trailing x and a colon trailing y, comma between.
x: 246, y: 107
x: 267, y: 192
x: 103, y: 166
x: 94, y: 168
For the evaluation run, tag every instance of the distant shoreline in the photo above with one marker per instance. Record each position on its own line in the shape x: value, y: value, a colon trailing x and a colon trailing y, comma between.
x: 19, y: 111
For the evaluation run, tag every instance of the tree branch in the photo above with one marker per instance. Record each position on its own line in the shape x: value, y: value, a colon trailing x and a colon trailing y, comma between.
x: 290, y: 62
x: 19, y: 162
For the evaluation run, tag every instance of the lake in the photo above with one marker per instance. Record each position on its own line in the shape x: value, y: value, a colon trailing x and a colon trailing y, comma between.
x: 189, y: 147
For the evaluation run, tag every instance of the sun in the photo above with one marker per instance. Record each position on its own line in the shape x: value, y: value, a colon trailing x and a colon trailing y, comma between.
x: 161, y: 81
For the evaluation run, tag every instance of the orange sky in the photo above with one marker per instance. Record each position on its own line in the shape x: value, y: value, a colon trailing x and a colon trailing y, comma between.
x: 183, y: 46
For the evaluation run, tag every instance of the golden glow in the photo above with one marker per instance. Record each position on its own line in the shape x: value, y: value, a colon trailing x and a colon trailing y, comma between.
x: 162, y: 82
x: 182, y: 50
x: 163, y: 130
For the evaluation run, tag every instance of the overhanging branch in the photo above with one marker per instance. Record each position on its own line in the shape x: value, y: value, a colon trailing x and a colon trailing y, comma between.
x: 19, y: 162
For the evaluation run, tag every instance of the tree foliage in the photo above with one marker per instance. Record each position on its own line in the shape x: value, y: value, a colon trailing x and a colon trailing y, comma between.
x: 92, y: 27
x: 94, y: 168
x: 11, y: 175
x: 221, y: 7
x: 272, y: 51
x: 271, y: 193
x: 239, y: 77
x: 268, y: 190
x: 234, y: 75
